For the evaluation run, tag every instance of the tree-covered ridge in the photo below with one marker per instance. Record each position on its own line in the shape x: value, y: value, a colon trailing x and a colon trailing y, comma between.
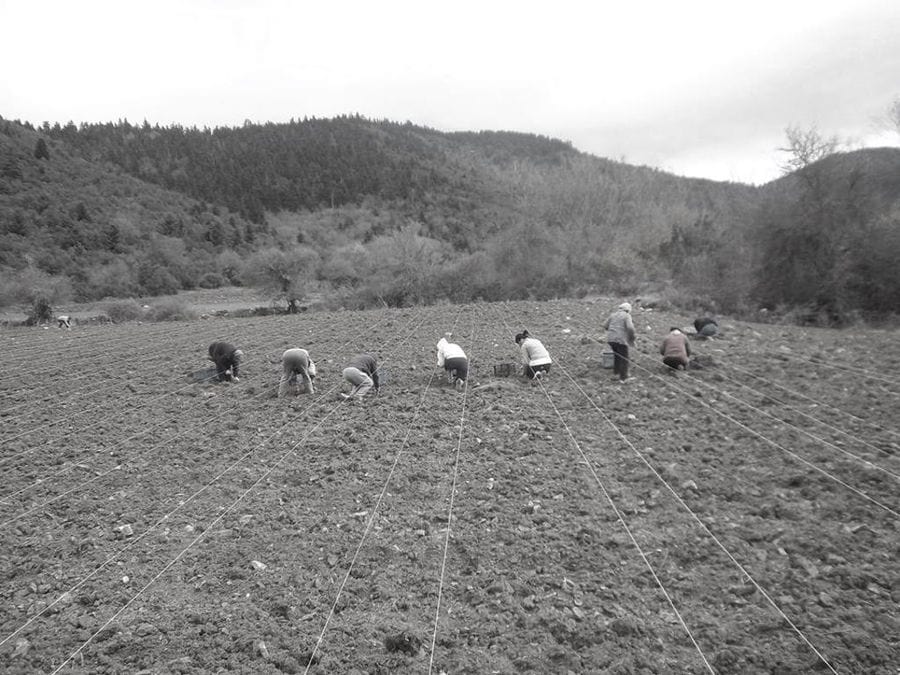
x: 88, y: 230
x: 371, y: 211
x: 273, y: 167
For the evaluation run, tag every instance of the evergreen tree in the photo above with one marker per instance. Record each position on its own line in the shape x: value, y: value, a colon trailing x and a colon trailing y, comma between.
x: 40, y: 149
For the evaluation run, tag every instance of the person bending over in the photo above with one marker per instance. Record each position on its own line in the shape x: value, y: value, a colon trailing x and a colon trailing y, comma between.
x: 534, y: 355
x: 362, y: 373
x: 706, y: 327
x: 227, y: 358
x: 676, y: 350
x: 297, y: 369
x: 453, y: 359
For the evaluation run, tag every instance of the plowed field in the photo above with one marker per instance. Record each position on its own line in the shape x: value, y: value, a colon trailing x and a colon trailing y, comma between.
x: 738, y: 518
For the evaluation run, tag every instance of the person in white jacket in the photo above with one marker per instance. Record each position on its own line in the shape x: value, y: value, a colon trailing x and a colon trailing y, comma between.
x: 534, y: 355
x: 454, y: 361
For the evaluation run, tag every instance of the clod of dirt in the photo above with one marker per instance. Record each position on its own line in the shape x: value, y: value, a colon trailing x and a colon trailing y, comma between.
x: 403, y: 642
x: 259, y: 647
x: 624, y: 627
x: 22, y: 647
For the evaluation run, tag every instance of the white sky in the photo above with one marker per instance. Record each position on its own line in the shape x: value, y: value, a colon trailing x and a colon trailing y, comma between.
x: 696, y: 87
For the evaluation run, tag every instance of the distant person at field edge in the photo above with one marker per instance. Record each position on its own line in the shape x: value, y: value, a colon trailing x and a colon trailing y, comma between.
x: 453, y: 359
x: 64, y: 321
x: 620, y: 335
x: 227, y: 358
x: 362, y: 373
x: 534, y: 356
x: 676, y: 350
x: 706, y: 327
x: 298, y: 369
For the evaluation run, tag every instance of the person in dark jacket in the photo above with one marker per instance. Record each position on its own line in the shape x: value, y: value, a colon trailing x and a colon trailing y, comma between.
x: 227, y: 358
x: 362, y: 374
x: 676, y: 350
x: 706, y: 327
x: 297, y: 368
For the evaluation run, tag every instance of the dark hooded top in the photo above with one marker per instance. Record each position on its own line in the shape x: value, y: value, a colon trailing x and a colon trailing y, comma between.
x: 367, y: 364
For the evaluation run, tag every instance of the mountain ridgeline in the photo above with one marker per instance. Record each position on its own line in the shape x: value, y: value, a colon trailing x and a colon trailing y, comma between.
x: 362, y: 212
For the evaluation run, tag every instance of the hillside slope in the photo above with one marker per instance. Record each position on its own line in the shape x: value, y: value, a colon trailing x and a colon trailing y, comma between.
x: 66, y: 221
x: 372, y: 212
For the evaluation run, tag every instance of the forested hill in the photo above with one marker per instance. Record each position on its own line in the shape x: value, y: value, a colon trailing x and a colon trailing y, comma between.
x: 75, y: 228
x: 370, y: 211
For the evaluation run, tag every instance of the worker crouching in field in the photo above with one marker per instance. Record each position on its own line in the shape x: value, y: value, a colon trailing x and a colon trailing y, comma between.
x: 706, y: 327
x: 534, y: 356
x: 453, y: 359
x: 227, y: 358
x: 676, y: 350
x: 362, y: 374
x: 64, y: 321
x: 298, y: 372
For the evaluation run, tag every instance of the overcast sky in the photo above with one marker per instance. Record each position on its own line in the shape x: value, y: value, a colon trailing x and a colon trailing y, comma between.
x: 698, y: 88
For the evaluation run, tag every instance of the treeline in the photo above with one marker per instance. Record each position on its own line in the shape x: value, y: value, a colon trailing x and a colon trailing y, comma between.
x: 368, y: 212
x: 298, y: 166
x: 827, y: 237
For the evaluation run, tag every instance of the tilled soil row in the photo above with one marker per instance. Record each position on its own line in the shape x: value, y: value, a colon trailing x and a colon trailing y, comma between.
x: 326, y: 539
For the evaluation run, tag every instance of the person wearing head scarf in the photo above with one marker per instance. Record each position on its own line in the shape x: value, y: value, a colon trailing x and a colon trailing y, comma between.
x: 453, y: 359
x: 64, y: 321
x: 676, y: 350
x: 620, y: 335
x: 227, y: 358
x: 362, y: 374
x: 534, y: 356
x: 297, y: 368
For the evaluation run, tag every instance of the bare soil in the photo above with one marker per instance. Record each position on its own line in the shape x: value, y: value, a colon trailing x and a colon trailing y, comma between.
x: 741, y: 517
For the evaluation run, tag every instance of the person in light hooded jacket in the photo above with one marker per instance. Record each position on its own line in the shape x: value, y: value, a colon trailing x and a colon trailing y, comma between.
x: 453, y: 359
x: 297, y: 368
x: 620, y: 335
x: 534, y: 356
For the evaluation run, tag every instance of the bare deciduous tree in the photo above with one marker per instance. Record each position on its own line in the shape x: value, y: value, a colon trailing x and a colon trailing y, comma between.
x: 893, y: 115
x: 805, y: 147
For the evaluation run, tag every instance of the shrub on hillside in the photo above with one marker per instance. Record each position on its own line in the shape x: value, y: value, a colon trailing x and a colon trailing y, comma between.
x: 171, y: 309
x: 41, y: 311
x: 212, y: 280
x: 124, y: 310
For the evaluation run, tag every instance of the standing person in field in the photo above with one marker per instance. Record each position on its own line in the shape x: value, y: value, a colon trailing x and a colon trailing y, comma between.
x: 706, y: 326
x: 676, y: 350
x: 453, y: 359
x: 534, y: 355
x: 64, y: 321
x: 362, y: 374
x: 227, y: 358
x: 620, y: 335
x: 297, y: 368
